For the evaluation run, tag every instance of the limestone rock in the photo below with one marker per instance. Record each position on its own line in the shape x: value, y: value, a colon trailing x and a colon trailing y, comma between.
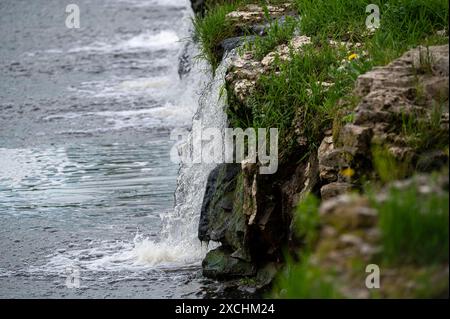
x: 283, y: 51
x: 252, y: 14
x: 334, y: 189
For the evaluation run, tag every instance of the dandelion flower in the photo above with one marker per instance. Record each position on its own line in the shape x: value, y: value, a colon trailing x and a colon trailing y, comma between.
x: 352, y: 56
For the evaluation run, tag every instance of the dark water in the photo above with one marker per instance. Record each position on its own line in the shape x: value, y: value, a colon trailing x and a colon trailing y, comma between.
x: 85, y: 174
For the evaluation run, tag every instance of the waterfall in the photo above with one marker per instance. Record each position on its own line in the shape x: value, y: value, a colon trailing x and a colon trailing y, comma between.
x: 179, y: 241
x: 180, y: 227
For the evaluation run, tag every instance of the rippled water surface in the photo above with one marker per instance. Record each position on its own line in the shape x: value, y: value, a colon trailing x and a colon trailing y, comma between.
x: 85, y: 175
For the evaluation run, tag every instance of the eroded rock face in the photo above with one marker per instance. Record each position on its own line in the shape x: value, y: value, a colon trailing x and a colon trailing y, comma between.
x: 219, y: 219
x: 250, y: 215
x: 408, y: 87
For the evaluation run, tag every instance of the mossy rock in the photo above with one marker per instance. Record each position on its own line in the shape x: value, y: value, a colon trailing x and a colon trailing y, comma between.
x: 222, y: 219
x: 220, y: 264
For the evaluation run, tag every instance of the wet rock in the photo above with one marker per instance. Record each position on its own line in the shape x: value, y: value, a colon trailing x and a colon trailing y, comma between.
x: 234, y: 42
x: 219, y: 264
x: 185, y: 61
x: 250, y: 187
x: 203, y: 229
x: 261, y: 29
x: 221, y: 217
x: 198, y: 6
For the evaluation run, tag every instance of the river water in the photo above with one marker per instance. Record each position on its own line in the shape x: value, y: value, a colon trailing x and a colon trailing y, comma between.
x: 85, y: 173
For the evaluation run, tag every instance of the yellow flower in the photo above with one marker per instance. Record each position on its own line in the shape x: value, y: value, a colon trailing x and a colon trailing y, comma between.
x: 348, y: 172
x: 352, y: 56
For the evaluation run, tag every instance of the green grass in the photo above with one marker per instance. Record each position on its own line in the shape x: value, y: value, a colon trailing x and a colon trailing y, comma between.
x: 212, y: 29
x: 335, y: 19
x: 403, y: 24
x: 406, y: 24
x: 414, y: 226
x: 387, y: 167
x: 306, y: 221
x: 425, y: 133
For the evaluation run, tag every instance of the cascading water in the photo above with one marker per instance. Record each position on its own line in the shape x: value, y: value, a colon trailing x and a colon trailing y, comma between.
x: 180, y: 227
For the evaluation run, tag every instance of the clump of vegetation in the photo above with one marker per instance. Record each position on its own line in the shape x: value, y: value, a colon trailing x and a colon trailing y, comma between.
x: 304, y: 281
x: 414, y: 226
x: 403, y: 24
x: 425, y: 133
x: 387, y: 167
x: 212, y: 29
x: 340, y: 19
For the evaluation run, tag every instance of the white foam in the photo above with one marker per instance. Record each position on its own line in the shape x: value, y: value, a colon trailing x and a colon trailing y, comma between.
x: 162, y: 39
x: 166, y: 39
x: 141, y: 254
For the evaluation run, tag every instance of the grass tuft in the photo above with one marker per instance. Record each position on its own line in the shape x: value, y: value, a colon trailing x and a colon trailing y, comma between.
x: 414, y: 226
x: 211, y: 30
